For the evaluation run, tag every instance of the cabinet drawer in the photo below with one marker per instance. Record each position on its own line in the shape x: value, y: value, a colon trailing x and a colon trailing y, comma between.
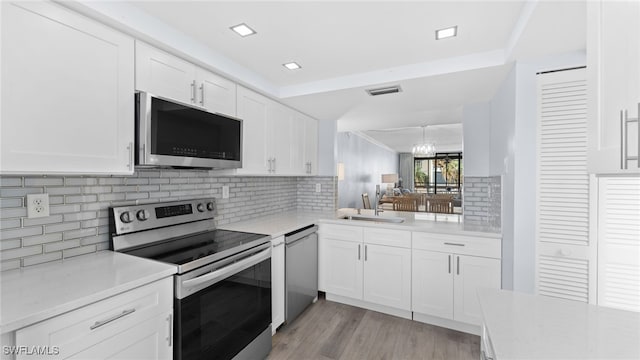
x: 388, y: 237
x: 80, y: 329
x: 340, y: 232
x: 464, y: 245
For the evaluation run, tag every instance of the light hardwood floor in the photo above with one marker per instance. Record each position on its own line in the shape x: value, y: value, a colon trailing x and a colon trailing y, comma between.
x: 329, y: 330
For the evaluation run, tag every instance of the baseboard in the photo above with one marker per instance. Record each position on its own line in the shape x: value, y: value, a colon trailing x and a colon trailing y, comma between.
x: 447, y: 323
x: 406, y: 314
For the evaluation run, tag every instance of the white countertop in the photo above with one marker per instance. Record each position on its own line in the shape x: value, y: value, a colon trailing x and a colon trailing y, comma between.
x: 39, y: 292
x: 282, y: 223
x: 523, y: 326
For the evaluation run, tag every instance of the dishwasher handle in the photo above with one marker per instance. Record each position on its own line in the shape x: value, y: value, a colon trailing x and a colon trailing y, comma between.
x: 295, y: 236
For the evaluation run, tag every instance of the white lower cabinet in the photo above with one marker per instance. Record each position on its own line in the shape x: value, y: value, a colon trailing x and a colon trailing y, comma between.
x: 277, y: 283
x: 367, y: 264
x: 137, y: 324
x: 446, y: 274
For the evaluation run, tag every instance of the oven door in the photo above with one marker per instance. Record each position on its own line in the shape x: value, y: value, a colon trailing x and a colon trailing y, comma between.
x: 223, y: 308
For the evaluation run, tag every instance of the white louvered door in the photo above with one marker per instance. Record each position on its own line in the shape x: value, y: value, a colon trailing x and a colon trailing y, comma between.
x: 619, y: 242
x: 565, y: 254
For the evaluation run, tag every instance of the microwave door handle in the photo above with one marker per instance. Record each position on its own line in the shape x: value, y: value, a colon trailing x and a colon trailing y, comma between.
x: 224, y: 272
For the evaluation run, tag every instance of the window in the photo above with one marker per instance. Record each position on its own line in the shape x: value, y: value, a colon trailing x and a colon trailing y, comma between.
x: 439, y: 174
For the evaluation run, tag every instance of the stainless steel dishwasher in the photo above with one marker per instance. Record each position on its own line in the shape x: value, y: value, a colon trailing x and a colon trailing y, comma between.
x: 301, y: 271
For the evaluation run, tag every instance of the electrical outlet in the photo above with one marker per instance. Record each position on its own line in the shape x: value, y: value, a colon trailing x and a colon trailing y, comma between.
x: 37, y: 205
x: 318, y: 188
x: 225, y: 192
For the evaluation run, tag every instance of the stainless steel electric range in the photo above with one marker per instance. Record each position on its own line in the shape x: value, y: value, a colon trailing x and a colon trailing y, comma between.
x: 222, y: 298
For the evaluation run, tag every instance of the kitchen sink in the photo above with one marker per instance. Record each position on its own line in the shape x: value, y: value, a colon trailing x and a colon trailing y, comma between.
x: 387, y: 219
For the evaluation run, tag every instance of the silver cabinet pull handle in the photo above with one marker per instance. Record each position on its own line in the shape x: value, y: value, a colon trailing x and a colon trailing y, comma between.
x: 193, y: 91
x: 170, y: 337
x: 454, y: 244
x: 458, y: 266
x: 276, y: 245
x: 623, y: 139
x: 274, y: 165
x: 202, y: 94
x: 449, y: 264
x: 130, y: 148
x: 124, y: 313
x: 365, y: 253
x: 358, y: 251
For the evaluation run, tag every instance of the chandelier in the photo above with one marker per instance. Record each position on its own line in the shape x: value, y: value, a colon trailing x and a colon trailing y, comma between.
x: 424, y: 149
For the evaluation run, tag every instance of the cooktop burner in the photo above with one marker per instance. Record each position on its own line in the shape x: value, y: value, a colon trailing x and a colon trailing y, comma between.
x: 182, y: 250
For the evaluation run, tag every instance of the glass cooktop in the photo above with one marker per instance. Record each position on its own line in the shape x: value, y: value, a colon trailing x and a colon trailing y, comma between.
x: 182, y: 250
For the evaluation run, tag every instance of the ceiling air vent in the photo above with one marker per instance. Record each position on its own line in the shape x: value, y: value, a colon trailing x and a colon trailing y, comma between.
x: 384, y: 90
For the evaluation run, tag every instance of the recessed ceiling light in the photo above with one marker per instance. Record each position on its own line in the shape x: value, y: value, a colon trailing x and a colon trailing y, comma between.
x: 446, y: 33
x: 243, y: 30
x: 292, y: 66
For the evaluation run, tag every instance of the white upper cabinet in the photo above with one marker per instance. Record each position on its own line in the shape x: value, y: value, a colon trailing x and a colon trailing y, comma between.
x: 310, y: 143
x: 252, y: 109
x: 277, y: 140
x: 165, y: 75
x: 67, y: 102
x: 169, y: 76
x: 613, y: 63
x: 216, y: 93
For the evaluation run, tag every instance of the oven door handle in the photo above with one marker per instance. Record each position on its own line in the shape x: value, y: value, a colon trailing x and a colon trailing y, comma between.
x: 224, y: 272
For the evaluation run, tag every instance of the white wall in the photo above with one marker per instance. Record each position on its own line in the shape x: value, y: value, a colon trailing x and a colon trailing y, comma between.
x: 476, y: 139
x: 526, y: 122
x: 364, y: 163
x: 513, y: 156
x: 501, y: 163
x: 327, y: 147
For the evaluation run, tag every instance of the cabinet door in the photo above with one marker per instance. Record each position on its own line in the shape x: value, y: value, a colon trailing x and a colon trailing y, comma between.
x: 67, y: 102
x: 277, y: 283
x: 165, y: 75
x: 252, y: 109
x: 613, y: 61
x: 343, y: 268
x: 387, y: 276
x: 311, y: 146
x: 471, y: 273
x: 619, y: 242
x: 432, y: 283
x: 280, y: 139
x: 216, y: 93
x: 137, y: 321
x: 148, y: 340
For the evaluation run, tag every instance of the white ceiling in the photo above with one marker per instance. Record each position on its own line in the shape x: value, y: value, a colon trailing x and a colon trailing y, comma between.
x: 346, y: 47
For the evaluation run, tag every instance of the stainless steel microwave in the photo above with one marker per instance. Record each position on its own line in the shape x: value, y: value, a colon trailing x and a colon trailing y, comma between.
x: 173, y: 134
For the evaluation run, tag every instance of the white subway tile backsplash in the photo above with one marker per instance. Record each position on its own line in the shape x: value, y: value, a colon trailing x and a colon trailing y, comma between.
x: 49, y: 229
x: 10, y: 265
x: 41, y: 239
x: 70, y: 181
x: 10, y: 244
x: 10, y: 181
x: 53, y: 219
x: 43, y: 181
x: 61, y: 245
x: 20, y: 232
x: 79, y: 206
x: 82, y: 250
x: 20, y: 252
x: 39, y: 259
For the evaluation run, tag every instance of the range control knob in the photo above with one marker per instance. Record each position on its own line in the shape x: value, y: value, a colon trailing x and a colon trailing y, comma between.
x: 142, y: 215
x: 200, y: 207
x: 125, y: 217
x: 210, y: 206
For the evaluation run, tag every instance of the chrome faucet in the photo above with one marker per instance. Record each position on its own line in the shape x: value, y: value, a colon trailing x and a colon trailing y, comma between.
x: 375, y: 206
